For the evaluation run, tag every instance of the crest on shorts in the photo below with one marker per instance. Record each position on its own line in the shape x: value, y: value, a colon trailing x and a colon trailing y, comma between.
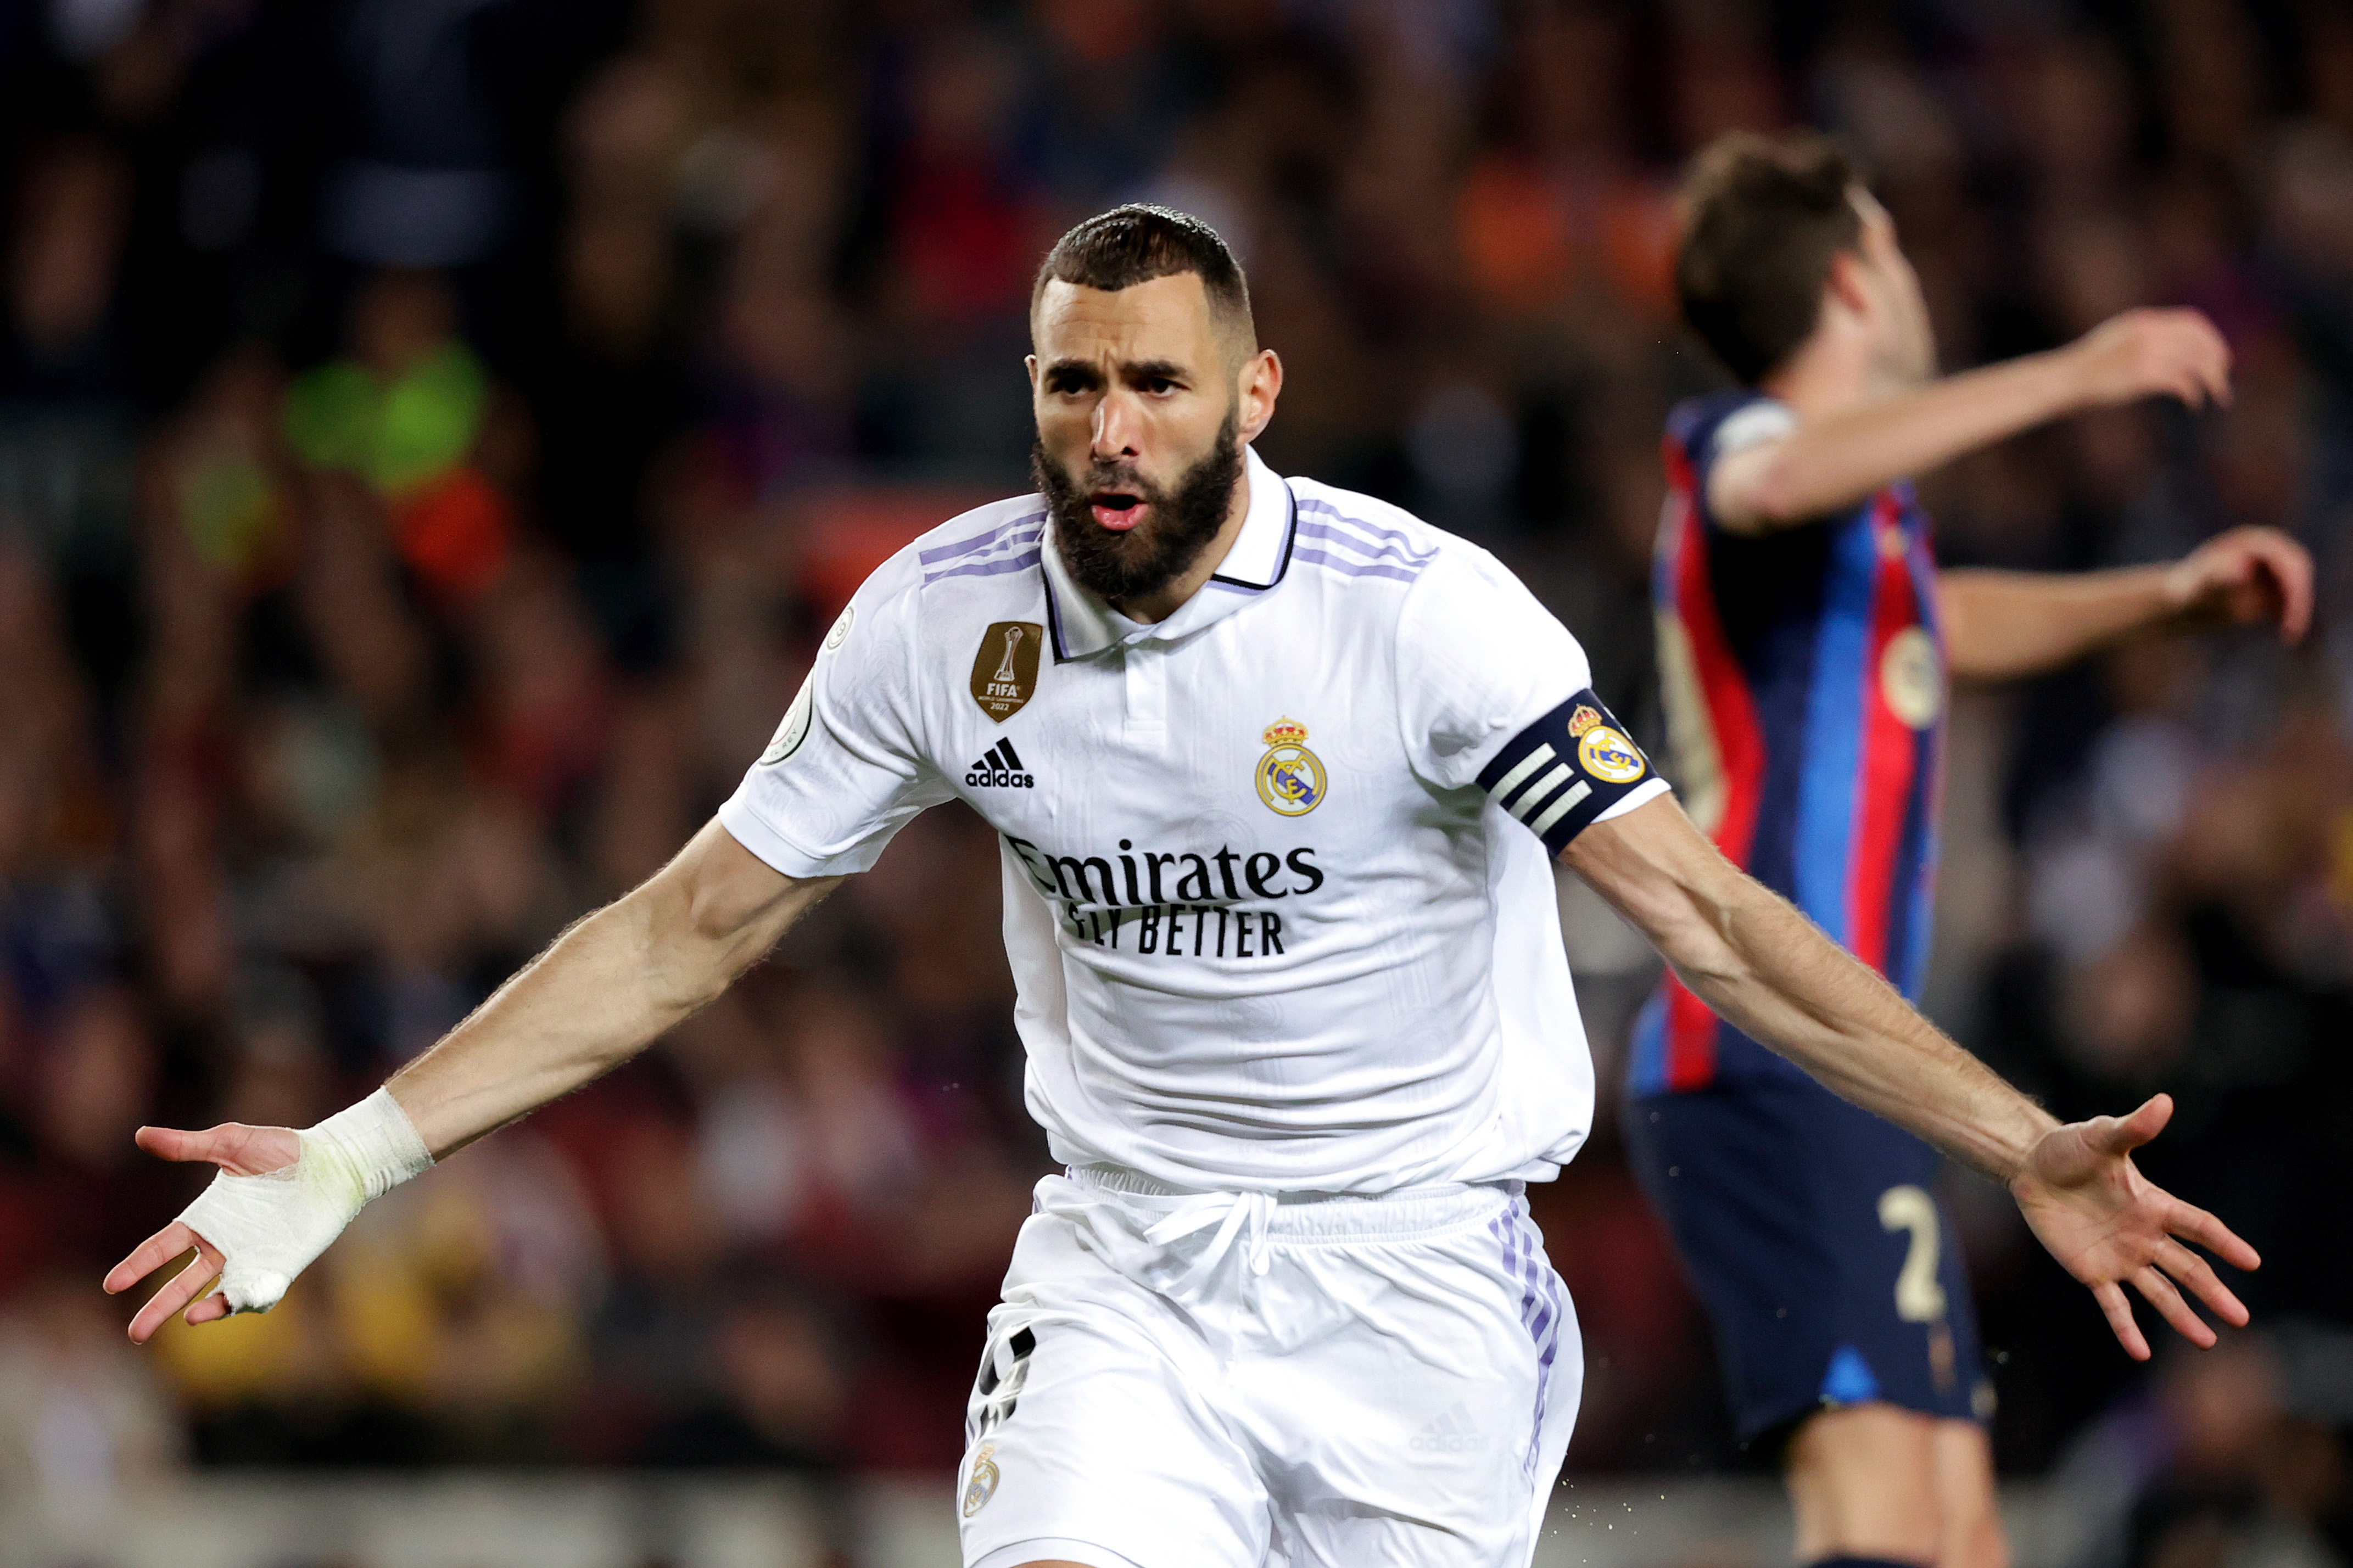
x: 1291, y: 778
x: 982, y: 1486
x: 1610, y: 756
x: 1005, y: 669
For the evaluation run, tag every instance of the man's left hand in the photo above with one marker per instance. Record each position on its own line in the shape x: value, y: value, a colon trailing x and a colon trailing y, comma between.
x: 2247, y: 574
x: 2108, y: 1226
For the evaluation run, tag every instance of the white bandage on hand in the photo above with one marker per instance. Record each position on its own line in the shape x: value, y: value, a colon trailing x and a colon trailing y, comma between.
x: 268, y: 1229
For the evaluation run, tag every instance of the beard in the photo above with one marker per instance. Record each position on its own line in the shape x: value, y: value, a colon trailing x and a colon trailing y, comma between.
x: 1178, y: 524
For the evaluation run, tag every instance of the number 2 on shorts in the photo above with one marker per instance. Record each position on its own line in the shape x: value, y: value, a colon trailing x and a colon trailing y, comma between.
x: 1919, y: 1299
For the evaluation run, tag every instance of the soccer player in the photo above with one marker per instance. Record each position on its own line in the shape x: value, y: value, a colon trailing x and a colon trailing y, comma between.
x: 1806, y: 635
x: 1279, y: 773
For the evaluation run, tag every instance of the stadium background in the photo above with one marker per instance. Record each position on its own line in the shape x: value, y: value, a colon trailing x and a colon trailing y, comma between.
x: 433, y: 432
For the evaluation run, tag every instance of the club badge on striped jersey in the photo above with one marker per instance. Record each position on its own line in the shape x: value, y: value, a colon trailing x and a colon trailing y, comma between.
x: 1005, y: 667
x: 1912, y: 678
x: 1291, y: 778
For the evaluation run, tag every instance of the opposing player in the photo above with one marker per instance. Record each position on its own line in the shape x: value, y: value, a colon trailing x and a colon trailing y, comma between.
x: 1279, y: 772
x: 1804, y: 640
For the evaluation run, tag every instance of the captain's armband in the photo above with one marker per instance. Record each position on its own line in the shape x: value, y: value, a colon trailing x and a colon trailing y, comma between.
x: 1561, y: 772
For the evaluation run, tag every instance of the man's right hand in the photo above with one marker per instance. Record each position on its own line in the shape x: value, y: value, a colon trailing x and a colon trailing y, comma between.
x: 2151, y: 354
x: 239, y: 1151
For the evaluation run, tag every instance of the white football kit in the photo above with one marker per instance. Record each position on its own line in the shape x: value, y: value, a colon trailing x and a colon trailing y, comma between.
x: 1279, y: 906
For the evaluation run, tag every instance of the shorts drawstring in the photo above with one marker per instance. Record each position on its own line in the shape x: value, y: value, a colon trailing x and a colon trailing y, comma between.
x: 1240, y: 1217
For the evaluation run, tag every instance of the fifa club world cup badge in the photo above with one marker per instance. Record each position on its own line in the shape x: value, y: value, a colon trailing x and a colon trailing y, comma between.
x: 1290, y: 776
x: 983, y: 1484
x: 1005, y: 669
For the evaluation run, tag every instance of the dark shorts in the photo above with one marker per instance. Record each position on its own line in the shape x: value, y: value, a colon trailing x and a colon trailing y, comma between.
x: 1809, y: 1229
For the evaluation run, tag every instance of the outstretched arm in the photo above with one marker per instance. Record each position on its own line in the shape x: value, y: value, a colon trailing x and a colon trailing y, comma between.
x: 604, y: 989
x: 1765, y: 968
x: 2002, y: 625
x: 1830, y: 464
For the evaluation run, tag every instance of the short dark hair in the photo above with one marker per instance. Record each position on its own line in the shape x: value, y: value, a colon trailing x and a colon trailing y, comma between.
x: 1138, y: 242
x: 1762, y: 216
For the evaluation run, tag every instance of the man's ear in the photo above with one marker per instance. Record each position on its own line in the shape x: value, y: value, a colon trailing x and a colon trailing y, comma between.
x: 1029, y: 362
x: 1256, y: 387
x: 1845, y: 285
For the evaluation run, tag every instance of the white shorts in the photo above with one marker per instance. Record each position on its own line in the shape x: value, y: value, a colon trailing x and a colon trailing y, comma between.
x: 1226, y: 1381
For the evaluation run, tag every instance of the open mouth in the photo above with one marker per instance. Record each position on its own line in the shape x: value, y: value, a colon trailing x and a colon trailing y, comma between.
x: 1118, y: 510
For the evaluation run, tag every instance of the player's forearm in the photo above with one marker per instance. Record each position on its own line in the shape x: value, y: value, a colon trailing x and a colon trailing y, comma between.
x: 1774, y: 975
x: 604, y: 991
x: 2000, y: 625
x: 1768, y: 971
x: 1830, y: 464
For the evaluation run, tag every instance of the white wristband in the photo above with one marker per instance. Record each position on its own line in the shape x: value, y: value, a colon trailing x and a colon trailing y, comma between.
x: 269, y: 1227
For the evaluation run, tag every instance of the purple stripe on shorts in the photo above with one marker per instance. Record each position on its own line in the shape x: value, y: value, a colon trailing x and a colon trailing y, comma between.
x: 987, y: 568
x: 1544, y: 1327
x: 1352, y: 568
x: 978, y: 541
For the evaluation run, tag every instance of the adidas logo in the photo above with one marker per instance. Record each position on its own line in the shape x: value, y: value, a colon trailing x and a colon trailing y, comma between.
x: 1451, y: 1433
x: 1000, y: 768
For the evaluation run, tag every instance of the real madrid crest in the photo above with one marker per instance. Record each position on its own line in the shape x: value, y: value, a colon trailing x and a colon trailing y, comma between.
x: 982, y: 1486
x: 1605, y: 754
x: 1291, y: 778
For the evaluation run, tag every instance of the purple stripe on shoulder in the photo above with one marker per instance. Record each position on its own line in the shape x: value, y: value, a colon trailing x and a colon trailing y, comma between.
x: 1399, y: 540
x: 1365, y: 547
x: 1343, y: 531
x: 987, y: 568
x: 978, y: 541
x: 1347, y: 568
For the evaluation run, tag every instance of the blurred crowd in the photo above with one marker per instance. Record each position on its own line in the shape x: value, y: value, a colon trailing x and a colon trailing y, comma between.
x: 433, y: 432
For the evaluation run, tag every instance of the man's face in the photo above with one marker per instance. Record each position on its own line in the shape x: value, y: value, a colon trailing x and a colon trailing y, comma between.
x: 1905, y: 345
x: 1138, y: 440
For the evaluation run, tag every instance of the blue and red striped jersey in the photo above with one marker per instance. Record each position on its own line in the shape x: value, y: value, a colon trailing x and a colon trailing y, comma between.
x: 1803, y: 674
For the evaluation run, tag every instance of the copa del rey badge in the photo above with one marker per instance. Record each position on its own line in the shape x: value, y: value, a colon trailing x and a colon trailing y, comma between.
x: 1005, y: 669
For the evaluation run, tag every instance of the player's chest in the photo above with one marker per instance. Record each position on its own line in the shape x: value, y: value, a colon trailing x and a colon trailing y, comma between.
x: 1240, y: 739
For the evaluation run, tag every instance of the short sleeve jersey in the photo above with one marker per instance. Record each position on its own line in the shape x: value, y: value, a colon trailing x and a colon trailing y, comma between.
x: 1803, y: 678
x: 1277, y: 870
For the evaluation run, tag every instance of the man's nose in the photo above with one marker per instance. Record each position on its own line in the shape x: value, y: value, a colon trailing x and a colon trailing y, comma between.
x: 1115, y: 428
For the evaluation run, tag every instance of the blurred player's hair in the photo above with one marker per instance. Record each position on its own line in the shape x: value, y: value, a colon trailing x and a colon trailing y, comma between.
x: 1138, y: 242
x: 1761, y: 217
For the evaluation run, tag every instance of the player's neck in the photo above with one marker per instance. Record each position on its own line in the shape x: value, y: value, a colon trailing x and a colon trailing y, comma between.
x: 1830, y: 374
x: 1150, y: 609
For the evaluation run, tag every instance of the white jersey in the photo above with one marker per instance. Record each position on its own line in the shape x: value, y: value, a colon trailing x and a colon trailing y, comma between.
x: 1278, y: 881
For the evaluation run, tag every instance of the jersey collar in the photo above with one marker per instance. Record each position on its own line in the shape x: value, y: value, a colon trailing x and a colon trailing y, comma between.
x: 1084, y: 625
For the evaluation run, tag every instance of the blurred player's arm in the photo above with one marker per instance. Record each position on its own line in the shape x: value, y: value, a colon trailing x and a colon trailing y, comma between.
x: 1762, y: 966
x: 1828, y: 465
x: 604, y: 989
x: 2000, y: 625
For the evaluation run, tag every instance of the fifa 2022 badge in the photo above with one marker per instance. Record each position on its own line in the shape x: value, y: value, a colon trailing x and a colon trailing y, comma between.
x: 1291, y: 778
x: 1005, y: 669
x: 1608, y: 755
x: 982, y: 1486
x: 1912, y: 678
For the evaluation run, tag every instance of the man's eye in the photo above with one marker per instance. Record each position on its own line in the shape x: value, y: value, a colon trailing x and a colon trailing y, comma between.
x: 1157, y: 384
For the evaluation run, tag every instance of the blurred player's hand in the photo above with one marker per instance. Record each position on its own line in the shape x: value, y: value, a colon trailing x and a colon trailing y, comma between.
x: 2108, y: 1226
x: 2247, y: 574
x: 2146, y: 353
